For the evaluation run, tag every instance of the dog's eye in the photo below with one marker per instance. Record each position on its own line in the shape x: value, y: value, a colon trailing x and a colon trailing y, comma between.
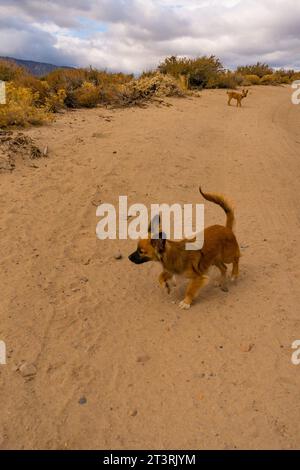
x: 141, y: 252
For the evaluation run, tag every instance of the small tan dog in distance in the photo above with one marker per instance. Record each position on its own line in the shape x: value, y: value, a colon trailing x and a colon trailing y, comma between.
x: 220, y: 248
x: 235, y: 95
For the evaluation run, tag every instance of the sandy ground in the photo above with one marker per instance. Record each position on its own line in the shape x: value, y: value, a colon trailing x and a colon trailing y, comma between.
x: 153, y: 376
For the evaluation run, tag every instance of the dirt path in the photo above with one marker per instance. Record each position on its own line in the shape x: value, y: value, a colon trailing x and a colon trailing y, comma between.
x: 217, y: 376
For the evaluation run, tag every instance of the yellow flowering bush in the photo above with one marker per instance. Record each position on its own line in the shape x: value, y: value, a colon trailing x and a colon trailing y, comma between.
x: 20, y: 109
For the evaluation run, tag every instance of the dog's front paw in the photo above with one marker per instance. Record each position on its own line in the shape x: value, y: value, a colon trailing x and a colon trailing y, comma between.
x: 184, y: 306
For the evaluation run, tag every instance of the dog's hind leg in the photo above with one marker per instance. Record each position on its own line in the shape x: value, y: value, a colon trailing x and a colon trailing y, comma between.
x: 223, y: 269
x: 235, y: 269
x: 192, y: 290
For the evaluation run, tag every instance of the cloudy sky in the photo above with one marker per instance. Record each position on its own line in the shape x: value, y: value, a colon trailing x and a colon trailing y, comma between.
x: 134, y: 35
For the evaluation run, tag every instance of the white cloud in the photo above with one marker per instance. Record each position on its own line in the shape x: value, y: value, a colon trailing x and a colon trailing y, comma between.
x: 133, y: 35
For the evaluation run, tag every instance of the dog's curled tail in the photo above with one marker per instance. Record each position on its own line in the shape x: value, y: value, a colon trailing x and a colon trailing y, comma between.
x: 221, y: 201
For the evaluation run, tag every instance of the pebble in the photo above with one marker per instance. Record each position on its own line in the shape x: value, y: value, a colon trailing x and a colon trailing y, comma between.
x: 118, y: 256
x: 246, y: 347
x: 27, y: 369
x: 143, y: 359
x: 82, y: 401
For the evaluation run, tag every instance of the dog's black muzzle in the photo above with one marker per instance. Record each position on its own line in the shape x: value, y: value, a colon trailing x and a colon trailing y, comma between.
x: 136, y: 258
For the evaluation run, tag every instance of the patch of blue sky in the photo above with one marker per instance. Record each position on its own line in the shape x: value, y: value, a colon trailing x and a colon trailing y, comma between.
x: 87, y: 27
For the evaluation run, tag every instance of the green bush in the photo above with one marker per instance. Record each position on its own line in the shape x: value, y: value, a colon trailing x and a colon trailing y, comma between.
x: 251, y: 80
x: 269, y: 79
x: 223, y: 80
x: 260, y: 69
x: 199, y: 71
x: 284, y: 76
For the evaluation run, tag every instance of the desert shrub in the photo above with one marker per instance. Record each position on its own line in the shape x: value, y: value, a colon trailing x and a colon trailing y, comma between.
x: 87, y: 96
x: 65, y: 79
x: 55, y: 101
x: 281, y: 76
x: 283, y: 79
x: 39, y: 88
x: 238, y: 78
x: 103, y: 78
x: 175, y: 66
x: 148, y: 74
x: 94, y: 76
x: 296, y: 76
x: 20, y: 108
x: 269, y: 79
x: 284, y: 76
x: 199, y: 71
x: 68, y: 80
x: 10, y: 71
x: 223, y: 80
x: 260, y: 69
x: 86, y: 87
x: 145, y: 88
x: 251, y: 80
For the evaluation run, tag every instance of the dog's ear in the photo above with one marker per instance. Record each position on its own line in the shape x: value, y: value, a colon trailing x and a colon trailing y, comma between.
x: 159, y: 242
x: 155, y: 225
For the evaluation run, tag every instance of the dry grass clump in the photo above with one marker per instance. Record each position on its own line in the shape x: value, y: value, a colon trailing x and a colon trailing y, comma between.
x: 154, y: 86
x: 16, y: 146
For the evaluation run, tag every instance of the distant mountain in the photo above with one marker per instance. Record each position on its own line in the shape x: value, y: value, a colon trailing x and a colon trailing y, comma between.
x: 36, y: 68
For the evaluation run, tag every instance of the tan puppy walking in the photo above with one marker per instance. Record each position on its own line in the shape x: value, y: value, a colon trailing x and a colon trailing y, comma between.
x: 235, y: 95
x: 220, y: 248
